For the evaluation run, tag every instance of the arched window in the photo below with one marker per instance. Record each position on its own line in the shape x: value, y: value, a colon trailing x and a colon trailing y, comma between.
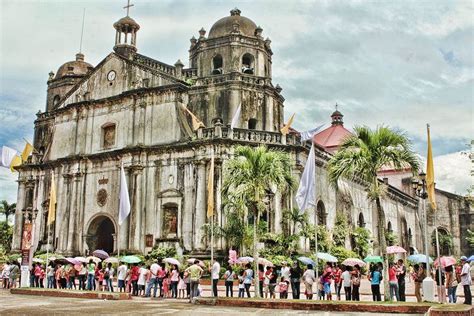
x: 389, y: 227
x: 56, y: 100
x: 445, y: 240
x: 248, y: 64
x: 252, y: 124
x: 321, y: 212
x: 217, y: 64
x: 361, y: 221
x: 170, y: 220
x: 108, y: 135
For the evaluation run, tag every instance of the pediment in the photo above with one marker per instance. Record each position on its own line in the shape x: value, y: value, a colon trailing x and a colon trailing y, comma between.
x: 169, y: 193
x: 113, y: 76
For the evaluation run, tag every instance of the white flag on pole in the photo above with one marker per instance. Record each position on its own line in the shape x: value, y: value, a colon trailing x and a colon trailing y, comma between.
x: 124, y: 208
x: 236, y: 117
x: 6, y: 156
x: 307, y: 135
x: 305, y: 197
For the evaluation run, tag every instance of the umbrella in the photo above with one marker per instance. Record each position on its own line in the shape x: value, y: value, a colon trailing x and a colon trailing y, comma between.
x: 78, y: 267
x: 72, y: 261
x: 95, y: 259
x: 326, y: 257
x: 82, y: 259
x: 130, y: 259
x: 471, y: 258
x: 445, y: 261
x: 353, y: 262
x: 306, y: 260
x: 265, y: 262
x: 418, y: 258
x: 373, y: 259
x: 100, y: 254
x: 172, y: 261
x: 395, y: 249
x: 245, y: 260
x: 191, y: 260
x: 111, y: 260
x: 38, y: 260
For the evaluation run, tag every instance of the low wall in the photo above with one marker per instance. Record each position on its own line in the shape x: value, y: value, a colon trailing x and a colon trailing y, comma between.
x: 72, y: 293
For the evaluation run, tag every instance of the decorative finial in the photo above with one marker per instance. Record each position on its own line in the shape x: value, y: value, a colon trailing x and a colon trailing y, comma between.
x: 128, y: 6
x: 202, y: 32
x: 336, y: 106
x: 235, y: 11
x: 82, y: 29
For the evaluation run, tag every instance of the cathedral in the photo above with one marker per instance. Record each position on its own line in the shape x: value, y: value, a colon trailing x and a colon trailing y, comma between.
x: 133, y: 110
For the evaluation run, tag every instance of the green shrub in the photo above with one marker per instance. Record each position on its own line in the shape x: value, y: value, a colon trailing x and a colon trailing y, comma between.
x: 342, y: 253
x: 162, y: 252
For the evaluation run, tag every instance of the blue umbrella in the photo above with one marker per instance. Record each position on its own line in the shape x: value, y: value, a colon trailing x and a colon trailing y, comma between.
x: 306, y: 260
x: 418, y: 258
x: 471, y: 258
x: 326, y: 257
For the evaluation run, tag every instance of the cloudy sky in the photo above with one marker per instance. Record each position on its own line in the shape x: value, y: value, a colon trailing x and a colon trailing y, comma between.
x: 398, y: 63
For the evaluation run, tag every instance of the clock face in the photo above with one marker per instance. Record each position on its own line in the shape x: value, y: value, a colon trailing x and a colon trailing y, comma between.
x: 111, y: 75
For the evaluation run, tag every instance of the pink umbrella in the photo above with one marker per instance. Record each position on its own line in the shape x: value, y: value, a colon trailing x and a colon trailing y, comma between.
x: 395, y: 249
x: 445, y: 261
x: 353, y: 262
x: 100, y: 254
x: 72, y: 261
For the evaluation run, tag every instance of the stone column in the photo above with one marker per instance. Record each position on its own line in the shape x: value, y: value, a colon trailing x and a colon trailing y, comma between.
x: 200, y: 210
x: 277, y: 212
x: 72, y: 244
x: 188, y: 206
x: 218, y: 206
x: 234, y: 101
x: 18, y: 228
x: 64, y: 224
x: 136, y: 207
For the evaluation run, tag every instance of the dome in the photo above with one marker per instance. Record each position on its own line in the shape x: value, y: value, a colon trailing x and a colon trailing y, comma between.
x: 77, y: 67
x: 126, y: 22
x: 225, y: 26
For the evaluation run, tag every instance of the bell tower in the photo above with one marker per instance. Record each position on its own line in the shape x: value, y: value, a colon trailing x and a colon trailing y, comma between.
x: 126, y: 34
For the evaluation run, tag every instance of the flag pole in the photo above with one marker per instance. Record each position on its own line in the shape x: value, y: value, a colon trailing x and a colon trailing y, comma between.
x: 47, y: 247
x: 316, y: 246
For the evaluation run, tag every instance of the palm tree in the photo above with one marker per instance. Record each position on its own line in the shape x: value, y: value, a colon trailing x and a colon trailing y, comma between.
x: 294, y: 217
x: 7, y: 209
x: 248, y: 178
x: 362, y: 155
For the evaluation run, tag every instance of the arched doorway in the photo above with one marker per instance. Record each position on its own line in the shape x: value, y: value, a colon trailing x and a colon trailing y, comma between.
x: 321, y: 209
x: 100, y: 234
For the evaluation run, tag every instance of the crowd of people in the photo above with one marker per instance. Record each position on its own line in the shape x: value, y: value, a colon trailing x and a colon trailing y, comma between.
x: 159, y: 279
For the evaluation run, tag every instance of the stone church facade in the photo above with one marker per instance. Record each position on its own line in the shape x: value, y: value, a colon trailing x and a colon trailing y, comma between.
x: 130, y: 109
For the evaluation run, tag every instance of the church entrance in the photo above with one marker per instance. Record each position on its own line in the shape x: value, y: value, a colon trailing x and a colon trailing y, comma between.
x: 100, y: 234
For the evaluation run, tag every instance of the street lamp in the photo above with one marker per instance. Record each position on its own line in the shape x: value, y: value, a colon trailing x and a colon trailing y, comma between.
x: 419, y: 187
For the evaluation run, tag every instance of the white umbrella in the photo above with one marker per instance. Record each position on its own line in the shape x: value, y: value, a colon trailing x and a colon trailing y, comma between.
x: 111, y: 260
x: 172, y: 261
x: 95, y: 259
x: 82, y: 259
x: 265, y: 262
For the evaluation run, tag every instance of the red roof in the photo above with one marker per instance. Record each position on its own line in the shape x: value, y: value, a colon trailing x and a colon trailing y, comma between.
x: 331, y: 138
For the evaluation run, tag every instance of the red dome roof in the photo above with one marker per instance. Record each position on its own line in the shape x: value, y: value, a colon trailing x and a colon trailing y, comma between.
x: 332, y: 137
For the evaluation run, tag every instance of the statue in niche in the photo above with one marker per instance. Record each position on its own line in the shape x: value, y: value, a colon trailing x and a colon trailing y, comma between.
x: 170, y: 221
x: 109, y: 136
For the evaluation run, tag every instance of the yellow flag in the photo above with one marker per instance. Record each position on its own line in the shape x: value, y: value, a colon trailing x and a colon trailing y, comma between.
x: 16, y: 161
x: 27, y: 151
x: 210, y: 189
x: 430, y: 182
x: 196, y: 122
x: 52, y: 201
x: 286, y: 129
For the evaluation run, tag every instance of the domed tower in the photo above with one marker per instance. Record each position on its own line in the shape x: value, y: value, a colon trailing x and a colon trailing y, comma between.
x: 235, y: 61
x: 66, y: 77
x: 126, y: 36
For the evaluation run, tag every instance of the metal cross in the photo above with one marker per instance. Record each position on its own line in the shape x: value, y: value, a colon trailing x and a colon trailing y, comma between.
x: 128, y: 6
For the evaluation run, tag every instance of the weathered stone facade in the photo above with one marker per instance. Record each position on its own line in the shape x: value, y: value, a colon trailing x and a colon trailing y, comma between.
x: 130, y: 109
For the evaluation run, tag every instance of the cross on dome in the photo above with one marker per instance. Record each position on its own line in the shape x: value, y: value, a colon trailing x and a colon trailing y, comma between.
x: 128, y: 6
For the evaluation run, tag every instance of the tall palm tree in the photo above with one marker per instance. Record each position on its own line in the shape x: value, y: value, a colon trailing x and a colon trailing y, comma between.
x: 7, y: 209
x: 362, y: 155
x: 248, y: 178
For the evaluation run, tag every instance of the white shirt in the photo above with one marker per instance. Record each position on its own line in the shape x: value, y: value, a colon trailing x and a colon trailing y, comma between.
x: 216, y: 268
x: 465, y: 274
x: 142, y: 276
x: 346, y: 279
x: 285, y: 273
x: 309, y: 277
x: 122, y: 272
x: 154, y: 270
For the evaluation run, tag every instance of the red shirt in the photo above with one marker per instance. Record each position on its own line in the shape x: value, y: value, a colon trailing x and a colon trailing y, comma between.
x: 134, y: 273
x: 337, y: 276
x: 392, y: 274
x: 261, y: 276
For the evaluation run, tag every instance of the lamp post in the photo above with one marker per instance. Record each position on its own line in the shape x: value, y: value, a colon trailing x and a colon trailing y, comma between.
x: 419, y: 187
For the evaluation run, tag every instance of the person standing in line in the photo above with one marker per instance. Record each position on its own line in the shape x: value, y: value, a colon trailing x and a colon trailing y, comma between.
x: 346, y: 282
x: 295, y: 278
x: 283, y: 288
x: 142, y: 277
x: 215, y: 269
x: 162, y: 272
x: 181, y: 286
x: 327, y: 279
x: 14, y: 274
x: 82, y: 275
x: 6, y: 275
x: 356, y: 276
x: 187, y: 283
x: 90, y: 275
x: 42, y: 275
x: 401, y: 275
x: 121, y: 276
x: 50, y: 276
x: 153, y: 282
x: 285, y: 271
x: 451, y: 284
x: 37, y: 274
x: 375, y: 277
x: 338, y: 281
x: 111, y: 274
x: 309, y: 278
x: 393, y: 282
x: 229, y: 276
x: 241, y: 284
x: 273, y: 283
x: 248, y: 277
x: 134, y: 275
x: 261, y: 279
x: 266, y: 280
x: 440, y: 281
x: 195, y: 273
x: 419, y: 276
x: 466, y: 281
x: 174, y: 278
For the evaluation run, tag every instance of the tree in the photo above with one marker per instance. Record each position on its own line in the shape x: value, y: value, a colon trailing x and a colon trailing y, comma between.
x: 470, y: 237
x: 249, y: 178
x: 362, y: 155
x: 6, y: 235
x: 7, y: 209
x: 292, y: 218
